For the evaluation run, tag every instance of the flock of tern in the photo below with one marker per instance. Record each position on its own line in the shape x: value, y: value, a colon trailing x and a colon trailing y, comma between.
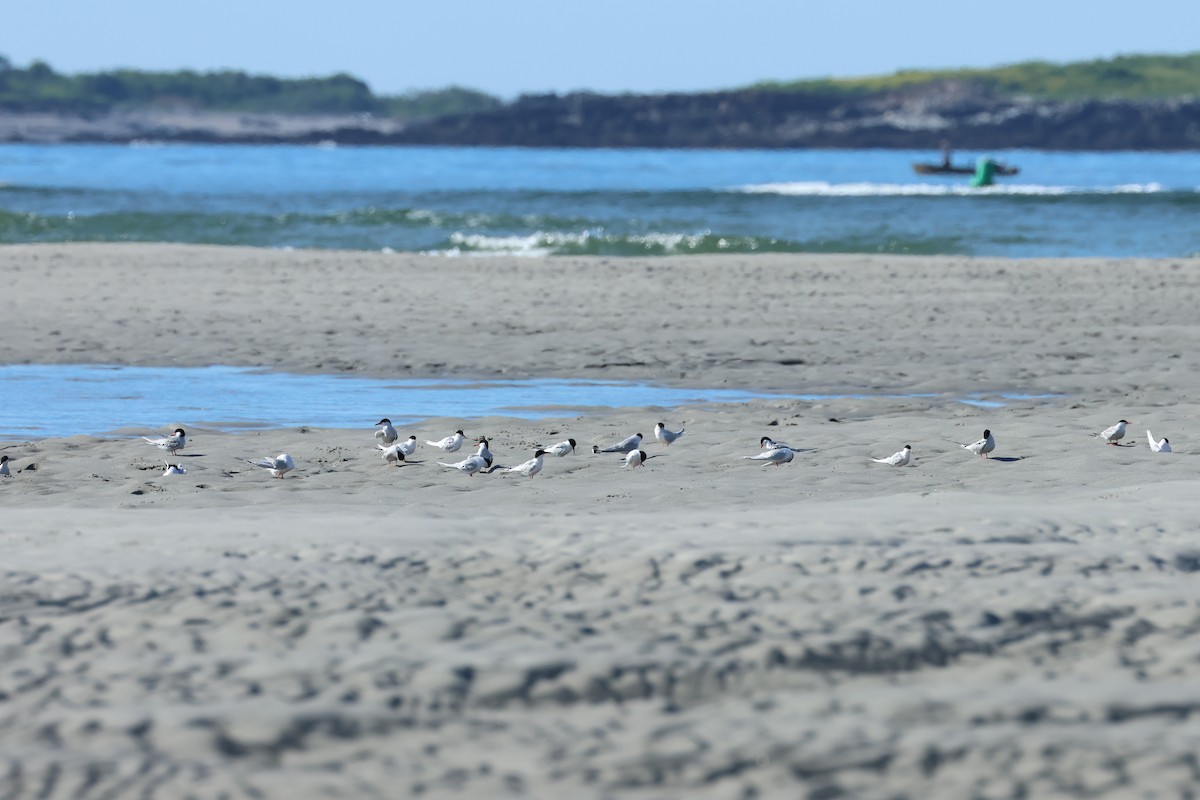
x: 396, y: 451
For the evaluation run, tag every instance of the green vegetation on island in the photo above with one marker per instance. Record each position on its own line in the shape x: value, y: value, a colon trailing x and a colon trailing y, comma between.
x: 39, y: 88
x: 1124, y: 77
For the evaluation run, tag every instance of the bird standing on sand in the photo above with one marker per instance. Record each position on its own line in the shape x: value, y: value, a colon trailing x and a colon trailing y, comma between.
x: 561, y: 449
x: 776, y: 455
x: 635, y: 459
x: 531, y: 467
x: 767, y: 443
x: 984, y: 446
x: 174, y: 469
x: 172, y: 444
x: 278, y: 466
x: 664, y: 436
x: 450, y: 444
x: 1161, y: 446
x: 470, y: 465
x: 483, y: 451
x: 898, y: 459
x: 386, y: 434
x: 393, y: 454
x: 1114, y: 434
x: 5, y: 472
x: 408, y: 446
x: 624, y: 446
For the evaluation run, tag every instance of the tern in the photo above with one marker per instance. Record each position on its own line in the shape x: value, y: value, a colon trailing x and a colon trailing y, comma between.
x: 4, y: 470
x: 626, y: 446
x: 531, y: 467
x: 408, y: 446
x: 776, y: 455
x: 172, y: 444
x: 174, y: 469
x: 1161, y: 446
x: 470, y: 465
x: 897, y: 459
x: 561, y: 449
x: 635, y: 459
x: 664, y: 436
x: 386, y: 434
x: 984, y: 446
x: 450, y: 444
x: 393, y: 454
x: 1114, y: 434
x: 278, y: 466
x: 483, y: 451
x: 767, y: 443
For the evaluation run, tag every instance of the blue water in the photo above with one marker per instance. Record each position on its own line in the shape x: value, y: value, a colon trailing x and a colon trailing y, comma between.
x: 42, y: 401
x: 467, y: 201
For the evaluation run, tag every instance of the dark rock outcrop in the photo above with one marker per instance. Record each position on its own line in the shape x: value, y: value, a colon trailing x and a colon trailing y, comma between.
x: 967, y: 114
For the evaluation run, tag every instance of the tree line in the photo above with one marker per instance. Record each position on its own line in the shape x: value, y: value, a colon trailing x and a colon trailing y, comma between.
x: 1129, y: 77
x: 38, y: 87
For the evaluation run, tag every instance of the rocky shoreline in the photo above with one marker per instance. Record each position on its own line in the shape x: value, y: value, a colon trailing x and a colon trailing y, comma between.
x: 915, y: 119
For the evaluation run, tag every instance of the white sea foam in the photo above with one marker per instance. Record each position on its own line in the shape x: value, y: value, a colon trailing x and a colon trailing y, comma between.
x: 824, y: 189
x: 535, y: 245
x: 545, y: 243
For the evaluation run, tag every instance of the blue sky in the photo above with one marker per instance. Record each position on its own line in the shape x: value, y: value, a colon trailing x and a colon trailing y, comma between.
x: 508, y: 48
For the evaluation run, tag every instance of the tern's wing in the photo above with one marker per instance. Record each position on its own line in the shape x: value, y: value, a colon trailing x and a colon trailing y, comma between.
x: 1108, y: 432
x: 1153, y: 444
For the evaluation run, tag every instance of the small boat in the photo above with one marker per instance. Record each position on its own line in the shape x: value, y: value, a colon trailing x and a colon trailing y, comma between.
x: 959, y: 169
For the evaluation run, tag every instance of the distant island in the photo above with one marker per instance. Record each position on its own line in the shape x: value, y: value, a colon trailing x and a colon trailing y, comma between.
x: 1129, y: 102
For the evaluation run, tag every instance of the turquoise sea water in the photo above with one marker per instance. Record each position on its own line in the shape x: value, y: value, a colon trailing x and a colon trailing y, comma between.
x: 482, y: 201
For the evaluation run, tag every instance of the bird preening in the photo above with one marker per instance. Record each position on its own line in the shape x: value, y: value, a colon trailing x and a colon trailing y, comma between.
x: 278, y: 466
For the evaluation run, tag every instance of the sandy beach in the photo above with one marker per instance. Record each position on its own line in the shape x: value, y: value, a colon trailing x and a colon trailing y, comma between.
x: 703, y: 627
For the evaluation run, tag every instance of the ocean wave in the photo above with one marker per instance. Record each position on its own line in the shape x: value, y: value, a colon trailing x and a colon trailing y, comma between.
x: 602, y: 243
x: 823, y: 189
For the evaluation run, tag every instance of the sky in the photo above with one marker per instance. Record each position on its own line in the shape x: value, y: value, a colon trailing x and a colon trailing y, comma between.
x: 611, y: 46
